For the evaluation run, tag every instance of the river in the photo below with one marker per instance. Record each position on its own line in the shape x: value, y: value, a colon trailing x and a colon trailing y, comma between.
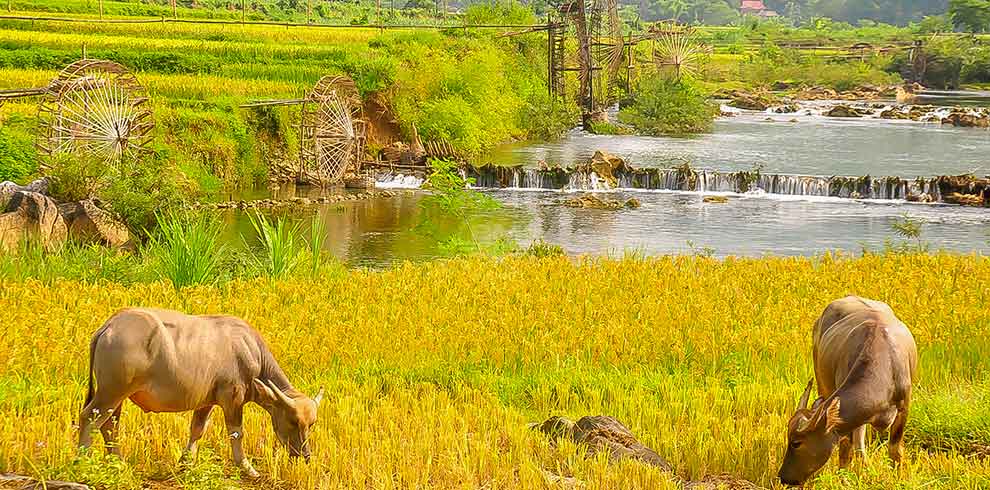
x: 377, y: 233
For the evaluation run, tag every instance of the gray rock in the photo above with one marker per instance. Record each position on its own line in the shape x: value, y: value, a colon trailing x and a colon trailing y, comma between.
x: 30, y: 215
x: 86, y: 222
x: 40, y: 186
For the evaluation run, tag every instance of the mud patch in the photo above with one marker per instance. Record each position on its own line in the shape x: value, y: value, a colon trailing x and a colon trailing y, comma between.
x: 383, y: 129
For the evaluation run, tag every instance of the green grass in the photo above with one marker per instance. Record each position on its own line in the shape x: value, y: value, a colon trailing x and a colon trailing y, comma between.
x: 470, y: 89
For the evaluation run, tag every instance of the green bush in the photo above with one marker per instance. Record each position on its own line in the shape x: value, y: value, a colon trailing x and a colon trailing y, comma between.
x: 663, y: 106
x: 134, y: 191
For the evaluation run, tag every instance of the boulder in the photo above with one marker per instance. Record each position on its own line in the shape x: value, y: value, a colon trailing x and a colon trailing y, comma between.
x: 716, y: 199
x: 8, y: 188
x: 964, y: 199
x: 591, y: 201
x: 923, y: 197
x: 967, y: 120
x: 845, y: 111
x: 786, y: 109
x: 749, y: 102
x: 606, y: 165
x: 86, y: 222
x: 31, y: 215
x: 633, y: 203
x: 603, y: 434
x: 894, y: 113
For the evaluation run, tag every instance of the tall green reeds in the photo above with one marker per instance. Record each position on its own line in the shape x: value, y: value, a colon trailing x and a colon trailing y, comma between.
x: 280, y: 245
x: 317, y: 236
x: 186, y: 249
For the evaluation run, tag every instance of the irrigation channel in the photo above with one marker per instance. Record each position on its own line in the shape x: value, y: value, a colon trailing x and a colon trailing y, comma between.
x: 797, y: 206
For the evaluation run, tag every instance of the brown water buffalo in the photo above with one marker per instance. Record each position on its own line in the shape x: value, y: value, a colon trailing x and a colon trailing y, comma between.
x: 166, y: 361
x: 865, y: 363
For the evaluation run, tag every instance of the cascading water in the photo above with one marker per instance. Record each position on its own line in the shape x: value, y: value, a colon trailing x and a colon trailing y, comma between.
x: 679, y: 179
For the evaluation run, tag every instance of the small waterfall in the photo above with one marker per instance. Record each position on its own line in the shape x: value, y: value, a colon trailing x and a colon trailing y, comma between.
x: 685, y: 179
x: 398, y: 181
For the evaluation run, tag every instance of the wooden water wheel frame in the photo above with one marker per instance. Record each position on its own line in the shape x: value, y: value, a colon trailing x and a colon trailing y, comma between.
x: 332, y: 130
x: 97, y: 108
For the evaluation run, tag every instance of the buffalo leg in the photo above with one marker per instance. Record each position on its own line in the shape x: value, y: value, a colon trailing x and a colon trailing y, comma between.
x: 95, y: 414
x: 234, y: 416
x: 200, y: 419
x: 895, y: 445
x: 845, y: 451
x: 859, y: 440
x: 109, y: 431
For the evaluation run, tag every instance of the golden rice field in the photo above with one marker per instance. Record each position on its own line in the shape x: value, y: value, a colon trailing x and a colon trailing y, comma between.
x: 433, y: 370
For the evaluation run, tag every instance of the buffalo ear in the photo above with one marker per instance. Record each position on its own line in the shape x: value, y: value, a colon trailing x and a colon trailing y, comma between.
x: 265, y: 394
x: 832, y: 418
x: 319, y: 397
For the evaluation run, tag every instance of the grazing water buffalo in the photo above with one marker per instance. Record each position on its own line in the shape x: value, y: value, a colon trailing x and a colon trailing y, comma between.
x: 166, y: 361
x: 865, y: 362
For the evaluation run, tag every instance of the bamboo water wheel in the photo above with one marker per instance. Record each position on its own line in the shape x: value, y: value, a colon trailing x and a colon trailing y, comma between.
x: 332, y: 130
x: 98, y: 108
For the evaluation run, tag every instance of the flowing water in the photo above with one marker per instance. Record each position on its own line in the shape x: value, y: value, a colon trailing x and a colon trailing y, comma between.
x: 795, y: 208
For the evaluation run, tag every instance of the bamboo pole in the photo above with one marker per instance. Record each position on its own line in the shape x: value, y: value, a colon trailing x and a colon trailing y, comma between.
x: 243, y: 9
x: 174, y: 14
x: 101, y: 9
x: 309, y: 11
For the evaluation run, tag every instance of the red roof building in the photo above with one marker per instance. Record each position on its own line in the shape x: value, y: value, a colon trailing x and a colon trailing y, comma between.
x: 756, y: 7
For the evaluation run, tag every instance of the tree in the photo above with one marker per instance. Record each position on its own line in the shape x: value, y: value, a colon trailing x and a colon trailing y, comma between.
x: 970, y: 15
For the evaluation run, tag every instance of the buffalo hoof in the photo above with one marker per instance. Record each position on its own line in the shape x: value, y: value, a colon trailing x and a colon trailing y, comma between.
x: 187, y: 459
x: 249, y: 471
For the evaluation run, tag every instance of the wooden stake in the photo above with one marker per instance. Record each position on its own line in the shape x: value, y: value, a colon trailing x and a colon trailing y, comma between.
x: 174, y: 14
x: 309, y: 11
x: 243, y: 9
x: 101, y: 9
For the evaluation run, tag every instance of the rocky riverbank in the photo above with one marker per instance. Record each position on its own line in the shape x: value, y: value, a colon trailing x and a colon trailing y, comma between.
x: 30, y: 214
x: 864, y: 103
x: 296, y: 202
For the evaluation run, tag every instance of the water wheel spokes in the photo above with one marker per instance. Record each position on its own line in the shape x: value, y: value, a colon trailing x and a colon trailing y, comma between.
x: 95, y: 108
x: 332, y: 131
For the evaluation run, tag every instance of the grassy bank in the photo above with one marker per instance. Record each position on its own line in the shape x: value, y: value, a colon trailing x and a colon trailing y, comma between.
x: 468, y: 88
x: 703, y: 359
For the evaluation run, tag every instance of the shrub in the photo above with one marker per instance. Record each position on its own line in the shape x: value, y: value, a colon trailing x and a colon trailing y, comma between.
x: 669, y: 107
x: 135, y: 191
x: 186, y: 249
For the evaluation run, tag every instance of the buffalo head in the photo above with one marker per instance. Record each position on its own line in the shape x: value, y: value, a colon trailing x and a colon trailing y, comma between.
x: 810, y: 439
x: 292, y: 416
